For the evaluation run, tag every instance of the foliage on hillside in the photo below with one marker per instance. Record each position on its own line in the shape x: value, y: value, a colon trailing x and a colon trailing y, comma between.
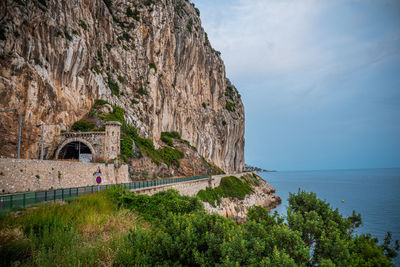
x: 129, y: 134
x: 110, y: 228
x: 230, y: 186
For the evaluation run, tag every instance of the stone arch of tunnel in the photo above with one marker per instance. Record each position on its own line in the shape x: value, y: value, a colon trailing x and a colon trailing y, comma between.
x: 74, y: 148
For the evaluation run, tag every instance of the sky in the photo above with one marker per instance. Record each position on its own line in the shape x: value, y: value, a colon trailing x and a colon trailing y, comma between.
x: 320, y: 79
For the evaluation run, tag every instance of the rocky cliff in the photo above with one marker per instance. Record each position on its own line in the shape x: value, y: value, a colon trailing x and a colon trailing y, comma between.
x: 262, y: 195
x: 150, y: 57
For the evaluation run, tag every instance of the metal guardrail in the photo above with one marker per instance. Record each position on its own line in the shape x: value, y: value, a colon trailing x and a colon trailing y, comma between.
x: 22, y: 200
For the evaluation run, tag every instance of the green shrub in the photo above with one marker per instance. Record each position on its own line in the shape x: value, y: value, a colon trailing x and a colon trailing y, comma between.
x: 82, y: 125
x: 132, y: 14
x: 171, y: 156
x: 231, y: 92
x: 159, y: 205
x: 100, y: 102
x: 67, y: 35
x: 204, y: 105
x: 96, y: 70
x: 142, y: 91
x: 121, y: 78
x: 126, y: 36
x: 152, y: 65
x: 189, y: 27
x: 134, y: 101
x: 171, y: 135
x: 230, y: 186
x: 127, y: 147
x: 167, y: 140
x: 116, y: 115
x: 230, y: 106
x: 83, y: 25
x: 108, y: 46
x: 113, y: 86
x: 75, y: 32
x: 100, y: 57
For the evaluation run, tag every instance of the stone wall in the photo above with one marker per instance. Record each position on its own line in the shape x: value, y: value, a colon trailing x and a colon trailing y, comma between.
x: 37, y: 175
x: 189, y: 188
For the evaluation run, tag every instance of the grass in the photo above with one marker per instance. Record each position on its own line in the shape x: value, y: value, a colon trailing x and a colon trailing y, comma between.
x: 88, y: 231
x: 230, y: 186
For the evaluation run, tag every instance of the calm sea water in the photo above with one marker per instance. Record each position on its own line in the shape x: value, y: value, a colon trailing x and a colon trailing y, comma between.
x: 375, y: 193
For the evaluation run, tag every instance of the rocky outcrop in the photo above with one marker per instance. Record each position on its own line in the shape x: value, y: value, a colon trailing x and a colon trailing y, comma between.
x: 152, y: 58
x: 236, y: 209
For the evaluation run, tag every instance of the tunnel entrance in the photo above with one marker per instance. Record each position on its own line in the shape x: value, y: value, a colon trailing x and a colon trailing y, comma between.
x: 76, y: 151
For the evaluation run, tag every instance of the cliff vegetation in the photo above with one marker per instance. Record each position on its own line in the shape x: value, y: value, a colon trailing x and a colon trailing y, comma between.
x: 150, y: 60
x: 121, y: 229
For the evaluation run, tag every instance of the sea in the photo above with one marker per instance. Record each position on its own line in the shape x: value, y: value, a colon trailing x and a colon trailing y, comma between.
x: 375, y: 193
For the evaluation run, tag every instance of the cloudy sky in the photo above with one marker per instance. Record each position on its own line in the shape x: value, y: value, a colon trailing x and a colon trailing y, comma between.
x: 320, y: 79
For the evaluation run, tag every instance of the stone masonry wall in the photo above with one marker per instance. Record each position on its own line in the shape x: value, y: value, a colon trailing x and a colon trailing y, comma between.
x: 189, y: 188
x: 36, y: 175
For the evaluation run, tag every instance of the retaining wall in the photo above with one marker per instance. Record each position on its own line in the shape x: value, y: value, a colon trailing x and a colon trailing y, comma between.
x: 189, y: 188
x: 36, y: 175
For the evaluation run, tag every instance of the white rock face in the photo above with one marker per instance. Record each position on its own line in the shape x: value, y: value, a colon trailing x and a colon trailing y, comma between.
x: 57, y: 59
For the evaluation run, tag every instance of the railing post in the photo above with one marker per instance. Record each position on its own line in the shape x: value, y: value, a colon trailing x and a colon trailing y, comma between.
x: 45, y: 195
x: 35, y: 197
x: 11, y: 200
x: 23, y: 202
x: 70, y: 195
x: 55, y: 195
x: 62, y: 194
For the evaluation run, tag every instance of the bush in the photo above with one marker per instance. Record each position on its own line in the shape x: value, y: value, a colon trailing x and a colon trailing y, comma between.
x: 161, y: 204
x: 132, y: 14
x: 82, y: 125
x: 171, y: 156
x: 113, y: 86
x: 100, y: 102
x: 96, y: 70
x: 171, y: 135
x: 167, y: 140
x: 204, y: 105
x: 116, y: 115
x: 127, y: 147
x: 230, y: 186
x: 67, y: 35
x: 83, y: 25
x: 152, y: 65
x: 100, y: 57
x: 230, y: 106
x: 142, y: 91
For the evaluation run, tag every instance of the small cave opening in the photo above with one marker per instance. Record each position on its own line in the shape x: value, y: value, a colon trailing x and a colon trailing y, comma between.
x: 76, y: 151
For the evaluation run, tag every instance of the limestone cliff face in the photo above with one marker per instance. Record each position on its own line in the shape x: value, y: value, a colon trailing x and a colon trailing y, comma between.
x: 150, y: 57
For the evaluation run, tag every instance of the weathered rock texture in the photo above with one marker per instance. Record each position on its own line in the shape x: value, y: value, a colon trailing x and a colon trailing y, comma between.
x: 57, y: 57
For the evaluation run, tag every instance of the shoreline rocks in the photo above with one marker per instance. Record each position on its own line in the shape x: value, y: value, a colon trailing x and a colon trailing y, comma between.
x: 237, y: 209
